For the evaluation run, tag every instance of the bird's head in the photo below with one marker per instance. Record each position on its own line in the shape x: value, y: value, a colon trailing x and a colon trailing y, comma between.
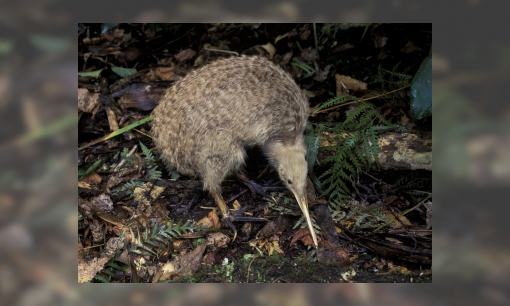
x: 289, y: 161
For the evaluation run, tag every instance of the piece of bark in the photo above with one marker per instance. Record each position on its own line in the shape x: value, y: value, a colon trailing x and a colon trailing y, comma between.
x: 326, y: 223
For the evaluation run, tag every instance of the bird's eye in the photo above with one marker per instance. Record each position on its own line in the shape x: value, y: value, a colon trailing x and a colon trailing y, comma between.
x: 289, y: 181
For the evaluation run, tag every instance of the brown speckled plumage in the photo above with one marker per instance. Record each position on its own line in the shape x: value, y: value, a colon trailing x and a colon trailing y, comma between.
x: 205, y: 121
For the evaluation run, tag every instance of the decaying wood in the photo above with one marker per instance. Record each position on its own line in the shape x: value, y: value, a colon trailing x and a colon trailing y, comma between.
x: 397, y: 151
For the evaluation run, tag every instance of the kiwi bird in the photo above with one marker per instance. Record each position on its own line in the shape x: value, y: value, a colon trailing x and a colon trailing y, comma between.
x: 205, y: 121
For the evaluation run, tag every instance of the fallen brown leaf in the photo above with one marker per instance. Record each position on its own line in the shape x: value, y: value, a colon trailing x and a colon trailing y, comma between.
x: 270, y: 49
x: 182, y: 265
x: 211, y: 220
x: 345, y: 84
x: 185, y: 55
x: 303, y: 234
x: 92, y: 178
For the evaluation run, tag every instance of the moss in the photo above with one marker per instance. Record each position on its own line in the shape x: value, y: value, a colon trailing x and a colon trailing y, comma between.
x: 268, y: 270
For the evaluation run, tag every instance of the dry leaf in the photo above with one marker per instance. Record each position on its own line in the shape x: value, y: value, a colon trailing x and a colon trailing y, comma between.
x: 286, y: 58
x: 270, y: 49
x: 410, y: 47
x: 303, y: 234
x: 342, y: 47
x: 92, y: 178
x: 280, y: 37
x: 84, y: 185
x: 87, y: 101
x: 140, y: 191
x: 185, y: 55
x: 182, y: 265
x: 397, y: 223
x: 211, y: 220
x: 346, y: 84
x: 402, y: 270
x: 217, y: 239
x: 305, y: 34
x: 164, y: 73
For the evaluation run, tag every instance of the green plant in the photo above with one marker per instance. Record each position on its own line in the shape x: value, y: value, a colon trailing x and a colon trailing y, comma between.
x: 127, y: 187
x: 159, y: 236
x: 392, y: 79
x: 87, y: 168
x: 109, y: 271
x: 356, y: 145
x: 412, y: 182
x: 298, y: 62
x: 229, y: 271
x: 288, y: 205
x: 152, y: 172
x: 170, y: 169
x: 128, y: 160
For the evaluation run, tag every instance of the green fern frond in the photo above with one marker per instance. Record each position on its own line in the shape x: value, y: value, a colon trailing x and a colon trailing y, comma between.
x: 152, y: 172
x: 338, y: 100
x: 312, y: 142
x: 356, y: 114
x: 101, y: 279
x: 128, y: 187
x: 110, y: 268
x: 392, y: 79
x: 149, y: 157
x: 170, y: 169
x: 374, y: 146
x: 412, y: 182
x: 160, y: 235
x: 357, y: 148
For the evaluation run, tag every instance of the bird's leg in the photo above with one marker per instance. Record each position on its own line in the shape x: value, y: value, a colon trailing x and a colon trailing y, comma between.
x: 229, y: 217
x: 256, y: 188
x: 224, y: 212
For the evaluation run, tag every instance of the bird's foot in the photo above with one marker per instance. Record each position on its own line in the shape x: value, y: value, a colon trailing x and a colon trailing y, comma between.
x: 238, y: 218
x: 259, y: 189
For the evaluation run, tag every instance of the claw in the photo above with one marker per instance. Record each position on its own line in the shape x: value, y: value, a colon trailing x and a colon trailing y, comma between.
x: 231, y: 225
x: 259, y: 189
x: 229, y: 218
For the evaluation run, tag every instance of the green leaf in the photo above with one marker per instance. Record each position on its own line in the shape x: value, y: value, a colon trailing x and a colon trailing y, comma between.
x: 123, y: 72
x: 421, y: 91
x: 101, y: 279
x: 248, y: 257
x: 109, y: 272
x: 94, y: 74
x: 87, y: 168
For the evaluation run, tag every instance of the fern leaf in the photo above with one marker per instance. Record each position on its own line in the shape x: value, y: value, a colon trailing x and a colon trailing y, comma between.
x: 338, y: 100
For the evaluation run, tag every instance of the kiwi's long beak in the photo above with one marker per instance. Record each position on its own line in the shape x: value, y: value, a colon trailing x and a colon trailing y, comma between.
x: 303, y: 204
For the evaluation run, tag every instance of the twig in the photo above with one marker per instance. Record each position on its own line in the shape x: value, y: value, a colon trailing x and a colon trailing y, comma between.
x: 248, y: 273
x: 279, y: 279
x: 224, y: 51
x: 358, y: 101
x: 403, y: 213
x: 376, y: 178
x: 93, y: 246
x: 123, y: 161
